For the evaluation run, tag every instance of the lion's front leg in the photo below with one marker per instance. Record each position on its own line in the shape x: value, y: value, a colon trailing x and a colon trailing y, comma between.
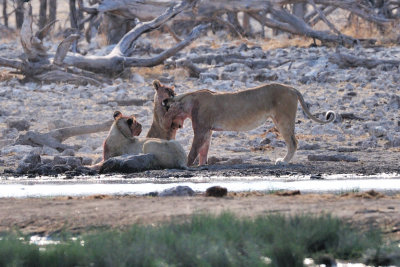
x: 200, y: 146
x: 203, y: 152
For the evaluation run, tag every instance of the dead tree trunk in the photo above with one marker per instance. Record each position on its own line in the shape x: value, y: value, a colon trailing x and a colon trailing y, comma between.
x: 246, y: 25
x: 55, y: 138
x: 233, y: 19
x: 74, y: 19
x: 73, y: 16
x: 52, y: 10
x: 295, y: 25
x: 42, y: 13
x: 299, y: 10
x: 315, y: 17
x: 5, y: 15
x: 19, y: 13
x: 345, y: 60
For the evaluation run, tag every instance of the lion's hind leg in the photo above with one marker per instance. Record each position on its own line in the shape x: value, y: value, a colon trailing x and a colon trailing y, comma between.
x: 285, y: 124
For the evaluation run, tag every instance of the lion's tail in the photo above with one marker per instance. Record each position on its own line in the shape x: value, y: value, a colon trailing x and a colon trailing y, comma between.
x: 329, y: 116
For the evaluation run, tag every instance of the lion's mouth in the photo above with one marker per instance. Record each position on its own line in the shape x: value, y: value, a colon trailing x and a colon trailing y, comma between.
x: 136, y: 130
x: 164, y: 104
x: 177, y: 124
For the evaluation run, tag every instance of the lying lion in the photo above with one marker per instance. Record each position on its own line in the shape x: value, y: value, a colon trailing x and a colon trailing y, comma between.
x: 238, y: 111
x: 122, y: 139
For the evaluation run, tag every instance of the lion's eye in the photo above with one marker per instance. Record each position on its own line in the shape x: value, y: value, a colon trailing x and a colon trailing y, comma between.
x: 130, y: 122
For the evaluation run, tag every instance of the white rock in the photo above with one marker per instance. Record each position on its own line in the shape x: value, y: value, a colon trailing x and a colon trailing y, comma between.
x: 224, y: 86
x: 237, y: 149
x: 278, y: 143
x: 340, y: 138
x: 85, y: 149
x: 31, y: 86
x: 46, y: 150
x: 394, y: 102
x: 103, y: 98
x: 98, y: 150
x: 10, y: 133
x: 177, y: 191
x: 270, y: 136
x: 20, y: 150
x: 68, y: 152
x: 331, y: 131
x: 208, y: 81
x: 113, y: 104
x: 110, y: 89
x: 349, y: 87
x: 377, y: 131
x: 137, y: 78
x: 317, y: 130
x: 121, y: 95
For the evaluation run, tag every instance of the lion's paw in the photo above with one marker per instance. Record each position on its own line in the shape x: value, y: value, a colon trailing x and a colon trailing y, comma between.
x: 281, y: 162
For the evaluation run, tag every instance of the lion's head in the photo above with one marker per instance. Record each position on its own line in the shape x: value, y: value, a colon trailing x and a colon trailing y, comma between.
x: 127, y: 125
x: 163, y: 91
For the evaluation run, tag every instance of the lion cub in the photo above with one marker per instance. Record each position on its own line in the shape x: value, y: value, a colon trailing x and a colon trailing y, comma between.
x: 122, y: 139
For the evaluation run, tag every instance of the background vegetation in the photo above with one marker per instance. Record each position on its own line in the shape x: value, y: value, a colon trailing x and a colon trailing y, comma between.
x: 207, y: 240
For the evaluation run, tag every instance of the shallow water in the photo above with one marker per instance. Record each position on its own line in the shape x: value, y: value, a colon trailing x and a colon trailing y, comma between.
x: 117, y: 185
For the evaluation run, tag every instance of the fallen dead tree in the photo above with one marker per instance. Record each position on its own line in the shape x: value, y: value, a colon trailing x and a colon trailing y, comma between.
x: 55, y: 137
x: 63, y: 66
x: 119, y: 16
x: 345, y: 60
x: 275, y: 14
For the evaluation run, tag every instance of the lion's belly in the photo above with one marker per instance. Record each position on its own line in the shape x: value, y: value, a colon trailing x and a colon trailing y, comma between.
x: 241, y: 123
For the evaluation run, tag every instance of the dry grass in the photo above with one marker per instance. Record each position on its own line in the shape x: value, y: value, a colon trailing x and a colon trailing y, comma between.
x: 7, y: 35
x: 149, y: 73
x: 287, y: 42
x: 358, y: 28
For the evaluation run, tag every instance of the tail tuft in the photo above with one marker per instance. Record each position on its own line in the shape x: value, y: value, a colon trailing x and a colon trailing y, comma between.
x: 330, y: 116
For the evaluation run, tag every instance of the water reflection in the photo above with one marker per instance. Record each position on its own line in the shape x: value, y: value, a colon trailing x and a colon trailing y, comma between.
x: 388, y: 183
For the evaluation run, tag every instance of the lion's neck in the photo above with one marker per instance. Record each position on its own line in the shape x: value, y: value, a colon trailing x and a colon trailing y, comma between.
x: 156, y: 131
x: 115, y: 136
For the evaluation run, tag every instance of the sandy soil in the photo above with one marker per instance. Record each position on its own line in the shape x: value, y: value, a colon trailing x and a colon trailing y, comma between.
x: 46, y: 216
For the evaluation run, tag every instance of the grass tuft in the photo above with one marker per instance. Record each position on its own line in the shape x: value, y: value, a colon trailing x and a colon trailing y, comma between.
x: 208, y: 240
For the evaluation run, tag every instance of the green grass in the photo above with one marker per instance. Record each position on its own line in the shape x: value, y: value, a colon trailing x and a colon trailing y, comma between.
x: 207, y: 240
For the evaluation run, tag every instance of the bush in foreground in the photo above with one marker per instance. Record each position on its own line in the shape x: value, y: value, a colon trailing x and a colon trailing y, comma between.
x: 207, y: 240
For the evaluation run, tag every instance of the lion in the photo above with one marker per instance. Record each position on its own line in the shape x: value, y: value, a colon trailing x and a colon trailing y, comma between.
x: 122, y: 139
x: 237, y: 111
x: 162, y: 92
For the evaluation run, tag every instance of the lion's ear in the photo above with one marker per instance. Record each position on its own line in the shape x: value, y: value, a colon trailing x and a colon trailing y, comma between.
x: 156, y: 84
x: 117, y: 114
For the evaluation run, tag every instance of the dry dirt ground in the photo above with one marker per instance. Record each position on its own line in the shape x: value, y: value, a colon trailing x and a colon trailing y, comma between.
x: 80, y: 214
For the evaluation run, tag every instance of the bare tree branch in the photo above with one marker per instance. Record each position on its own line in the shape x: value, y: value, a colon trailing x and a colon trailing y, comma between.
x: 55, y: 138
x: 63, y: 48
x: 322, y: 16
x: 125, y: 43
x: 45, y: 30
x: 32, y: 45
